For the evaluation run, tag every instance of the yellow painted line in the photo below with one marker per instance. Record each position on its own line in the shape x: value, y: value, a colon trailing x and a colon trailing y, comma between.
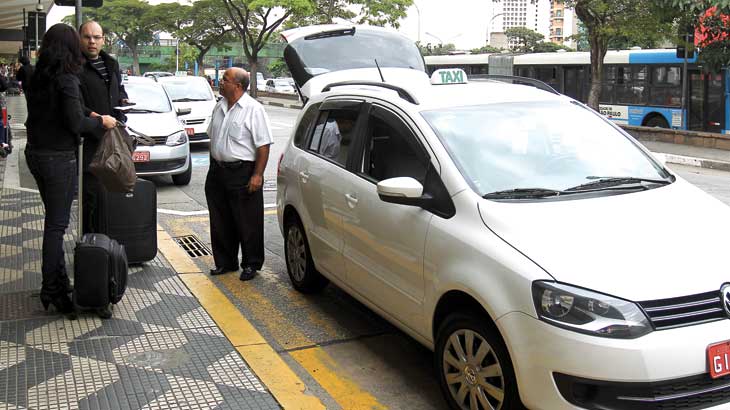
x: 325, y: 371
x: 281, y: 381
x: 312, y: 358
x: 272, y: 212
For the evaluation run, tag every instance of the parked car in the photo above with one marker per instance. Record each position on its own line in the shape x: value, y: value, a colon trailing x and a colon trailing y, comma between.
x: 196, y: 94
x: 280, y: 86
x: 546, y: 256
x: 153, y: 115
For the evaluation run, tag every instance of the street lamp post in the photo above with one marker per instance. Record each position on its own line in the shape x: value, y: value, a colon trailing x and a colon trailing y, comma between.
x: 489, y: 27
x: 419, y: 21
x: 436, y: 37
x: 38, y: 9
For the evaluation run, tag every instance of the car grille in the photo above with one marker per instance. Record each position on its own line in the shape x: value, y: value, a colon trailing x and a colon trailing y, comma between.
x: 685, y: 310
x: 694, y: 392
x: 195, y: 121
x: 159, y: 166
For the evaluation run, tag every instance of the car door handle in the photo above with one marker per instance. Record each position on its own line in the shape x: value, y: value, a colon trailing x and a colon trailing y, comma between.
x: 304, y: 176
x: 351, y: 200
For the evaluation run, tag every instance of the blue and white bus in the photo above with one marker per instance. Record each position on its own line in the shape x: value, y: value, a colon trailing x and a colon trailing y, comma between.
x: 640, y: 87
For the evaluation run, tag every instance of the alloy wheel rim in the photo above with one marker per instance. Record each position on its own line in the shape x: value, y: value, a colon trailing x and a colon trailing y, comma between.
x: 472, y: 371
x: 296, y: 253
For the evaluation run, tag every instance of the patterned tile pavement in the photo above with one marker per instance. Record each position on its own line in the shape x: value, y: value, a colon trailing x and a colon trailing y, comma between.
x: 160, y: 350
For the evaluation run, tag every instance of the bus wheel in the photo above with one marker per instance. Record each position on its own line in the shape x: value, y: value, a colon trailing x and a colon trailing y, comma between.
x: 656, y: 121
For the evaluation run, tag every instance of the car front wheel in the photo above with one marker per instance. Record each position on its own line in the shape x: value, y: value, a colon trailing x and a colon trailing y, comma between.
x: 475, y: 371
x: 302, y: 273
x: 184, y: 178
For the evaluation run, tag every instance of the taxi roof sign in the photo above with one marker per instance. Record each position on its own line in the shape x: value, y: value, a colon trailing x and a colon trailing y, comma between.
x: 448, y: 76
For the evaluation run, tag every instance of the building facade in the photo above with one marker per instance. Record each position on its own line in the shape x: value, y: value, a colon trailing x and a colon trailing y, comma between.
x: 519, y: 13
x: 563, y: 24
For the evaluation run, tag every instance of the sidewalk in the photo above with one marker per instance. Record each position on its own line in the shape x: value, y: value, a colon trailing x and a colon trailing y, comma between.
x: 160, y: 350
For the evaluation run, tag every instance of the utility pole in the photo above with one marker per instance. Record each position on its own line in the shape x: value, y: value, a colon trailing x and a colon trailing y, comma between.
x: 78, y: 14
x: 38, y: 9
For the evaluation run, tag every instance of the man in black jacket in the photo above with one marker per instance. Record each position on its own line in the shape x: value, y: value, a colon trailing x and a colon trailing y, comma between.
x: 25, y: 72
x: 102, y: 89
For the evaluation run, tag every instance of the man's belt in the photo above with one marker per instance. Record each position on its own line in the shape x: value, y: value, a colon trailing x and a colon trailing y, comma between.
x: 231, y: 164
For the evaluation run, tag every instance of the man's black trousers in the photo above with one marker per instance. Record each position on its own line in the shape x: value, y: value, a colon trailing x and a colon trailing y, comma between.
x: 236, y: 216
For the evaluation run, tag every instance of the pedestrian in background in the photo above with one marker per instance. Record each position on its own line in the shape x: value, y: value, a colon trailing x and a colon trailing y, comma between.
x: 24, y: 73
x: 240, y: 136
x: 102, y: 90
x: 55, y: 120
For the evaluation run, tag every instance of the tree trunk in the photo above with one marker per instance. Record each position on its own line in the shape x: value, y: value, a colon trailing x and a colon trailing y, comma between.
x: 135, y: 61
x: 599, y: 46
x: 253, y: 69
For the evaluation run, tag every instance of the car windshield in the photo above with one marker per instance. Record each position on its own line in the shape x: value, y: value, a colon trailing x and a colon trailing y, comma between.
x: 148, y: 97
x: 540, y: 145
x: 188, y: 90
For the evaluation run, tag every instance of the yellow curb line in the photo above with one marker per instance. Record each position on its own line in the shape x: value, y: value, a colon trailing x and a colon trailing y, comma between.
x: 281, y: 381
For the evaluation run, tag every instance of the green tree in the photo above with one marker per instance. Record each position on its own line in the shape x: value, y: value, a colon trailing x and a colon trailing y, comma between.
x: 435, y: 50
x: 203, y: 25
x: 278, y: 68
x: 605, y: 20
x: 126, y: 20
x: 485, y: 50
x: 711, y: 17
x: 372, y: 12
x: 525, y: 37
x: 256, y: 20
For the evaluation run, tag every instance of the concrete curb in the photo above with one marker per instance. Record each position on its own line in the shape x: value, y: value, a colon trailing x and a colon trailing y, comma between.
x: 293, y: 106
x: 697, y: 162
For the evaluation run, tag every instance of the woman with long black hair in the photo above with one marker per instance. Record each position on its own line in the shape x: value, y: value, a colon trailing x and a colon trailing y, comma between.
x: 55, y: 120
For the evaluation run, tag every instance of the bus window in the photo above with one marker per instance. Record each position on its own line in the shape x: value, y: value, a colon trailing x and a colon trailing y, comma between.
x: 666, y: 86
x: 608, y: 85
x: 638, y: 85
x: 549, y: 75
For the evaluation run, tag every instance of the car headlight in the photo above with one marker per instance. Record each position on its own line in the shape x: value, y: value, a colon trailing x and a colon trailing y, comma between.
x: 177, y: 138
x: 589, y: 312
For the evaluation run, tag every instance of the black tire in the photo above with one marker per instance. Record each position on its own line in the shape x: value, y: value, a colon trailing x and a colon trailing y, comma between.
x: 299, y: 264
x: 657, y: 121
x: 185, y: 177
x: 502, y: 393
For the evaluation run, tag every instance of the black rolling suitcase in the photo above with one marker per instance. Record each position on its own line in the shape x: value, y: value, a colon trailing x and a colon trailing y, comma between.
x: 131, y: 219
x: 100, y: 265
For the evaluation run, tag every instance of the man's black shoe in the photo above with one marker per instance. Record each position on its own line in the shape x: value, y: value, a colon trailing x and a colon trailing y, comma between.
x: 247, y: 273
x: 220, y: 271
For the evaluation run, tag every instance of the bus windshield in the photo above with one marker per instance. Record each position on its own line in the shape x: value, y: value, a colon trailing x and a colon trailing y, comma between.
x: 563, y: 145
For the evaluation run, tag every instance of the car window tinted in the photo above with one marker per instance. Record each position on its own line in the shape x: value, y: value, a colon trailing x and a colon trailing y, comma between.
x: 305, y: 125
x: 391, y: 148
x: 334, y: 133
x: 148, y: 97
x: 186, y: 89
x: 552, y: 145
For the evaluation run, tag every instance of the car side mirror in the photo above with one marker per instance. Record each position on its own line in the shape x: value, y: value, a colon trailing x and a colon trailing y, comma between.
x: 184, y: 111
x: 403, y: 191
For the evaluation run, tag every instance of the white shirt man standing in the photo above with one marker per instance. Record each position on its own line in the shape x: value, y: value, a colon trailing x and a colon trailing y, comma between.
x: 240, y: 136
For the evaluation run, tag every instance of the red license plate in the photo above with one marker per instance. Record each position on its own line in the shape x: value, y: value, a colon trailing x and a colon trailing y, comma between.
x: 141, y: 156
x: 190, y: 131
x: 718, y: 359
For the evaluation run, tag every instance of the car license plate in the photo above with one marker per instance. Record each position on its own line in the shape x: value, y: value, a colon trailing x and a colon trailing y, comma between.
x: 718, y: 357
x: 141, y: 156
x: 190, y: 131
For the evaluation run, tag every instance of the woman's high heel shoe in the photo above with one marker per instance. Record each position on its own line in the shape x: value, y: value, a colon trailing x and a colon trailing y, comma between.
x: 61, y: 302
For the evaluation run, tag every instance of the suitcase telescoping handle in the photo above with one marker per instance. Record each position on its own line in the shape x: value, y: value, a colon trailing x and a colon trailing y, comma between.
x: 80, y: 193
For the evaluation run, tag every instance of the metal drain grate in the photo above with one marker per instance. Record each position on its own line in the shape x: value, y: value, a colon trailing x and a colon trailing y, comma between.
x: 192, y: 245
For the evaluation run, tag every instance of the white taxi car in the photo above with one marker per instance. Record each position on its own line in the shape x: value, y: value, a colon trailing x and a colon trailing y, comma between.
x: 193, y: 93
x: 154, y: 116
x: 546, y: 257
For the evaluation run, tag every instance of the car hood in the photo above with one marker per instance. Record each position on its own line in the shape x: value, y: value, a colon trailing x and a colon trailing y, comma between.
x: 154, y: 124
x: 661, y: 243
x: 199, y: 109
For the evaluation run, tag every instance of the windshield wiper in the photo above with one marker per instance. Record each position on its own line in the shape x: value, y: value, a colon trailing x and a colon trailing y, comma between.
x: 519, y: 193
x: 617, y: 182
x: 189, y: 99
x: 142, y: 111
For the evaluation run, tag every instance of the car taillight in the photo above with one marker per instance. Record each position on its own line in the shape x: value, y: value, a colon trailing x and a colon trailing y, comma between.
x: 278, y: 166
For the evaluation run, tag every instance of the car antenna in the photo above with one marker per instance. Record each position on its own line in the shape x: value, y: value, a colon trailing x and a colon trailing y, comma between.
x: 380, y: 72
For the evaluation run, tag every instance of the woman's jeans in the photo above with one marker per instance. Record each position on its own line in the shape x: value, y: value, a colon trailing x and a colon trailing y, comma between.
x: 55, y: 175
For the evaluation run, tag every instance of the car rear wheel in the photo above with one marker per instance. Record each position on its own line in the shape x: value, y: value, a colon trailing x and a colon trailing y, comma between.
x: 474, y: 368
x: 299, y: 264
x: 184, y: 178
x: 657, y: 121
